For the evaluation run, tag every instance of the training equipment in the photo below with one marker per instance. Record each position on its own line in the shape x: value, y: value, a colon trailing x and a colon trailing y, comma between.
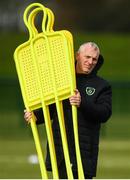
x: 45, y: 67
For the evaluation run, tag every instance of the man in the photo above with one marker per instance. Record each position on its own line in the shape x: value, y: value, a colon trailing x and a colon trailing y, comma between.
x: 93, y: 98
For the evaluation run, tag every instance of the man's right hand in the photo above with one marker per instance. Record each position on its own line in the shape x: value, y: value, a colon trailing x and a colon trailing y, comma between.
x: 27, y: 116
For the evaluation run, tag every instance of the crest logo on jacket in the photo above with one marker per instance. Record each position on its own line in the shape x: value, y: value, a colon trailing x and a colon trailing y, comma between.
x: 90, y: 91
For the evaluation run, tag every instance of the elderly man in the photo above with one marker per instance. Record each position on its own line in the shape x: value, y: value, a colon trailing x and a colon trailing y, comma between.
x: 93, y: 98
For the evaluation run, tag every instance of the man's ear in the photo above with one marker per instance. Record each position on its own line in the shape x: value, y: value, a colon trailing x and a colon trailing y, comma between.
x: 77, y: 56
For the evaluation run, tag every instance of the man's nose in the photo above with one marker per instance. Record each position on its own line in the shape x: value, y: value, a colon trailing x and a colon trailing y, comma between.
x: 90, y: 60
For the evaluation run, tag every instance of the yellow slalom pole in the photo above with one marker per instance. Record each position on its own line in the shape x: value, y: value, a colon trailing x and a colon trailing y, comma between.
x: 75, y: 119
x: 64, y: 138
x: 38, y: 148
x: 77, y: 148
x: 50, y: 140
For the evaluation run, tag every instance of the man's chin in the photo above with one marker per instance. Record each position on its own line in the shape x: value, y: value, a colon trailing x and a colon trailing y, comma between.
x: 87, y: 72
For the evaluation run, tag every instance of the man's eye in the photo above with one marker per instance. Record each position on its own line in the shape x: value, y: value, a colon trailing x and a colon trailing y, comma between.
x: 88, y: 57
x: 94, y: 60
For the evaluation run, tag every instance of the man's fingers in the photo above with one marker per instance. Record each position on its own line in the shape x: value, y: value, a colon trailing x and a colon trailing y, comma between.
x: 27, y: 115
x: 76, y: 91
x: 75, y: 100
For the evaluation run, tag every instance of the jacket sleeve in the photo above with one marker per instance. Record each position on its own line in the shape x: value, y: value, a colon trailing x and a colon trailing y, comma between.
x: 99, y: 110
x: 40, y: 115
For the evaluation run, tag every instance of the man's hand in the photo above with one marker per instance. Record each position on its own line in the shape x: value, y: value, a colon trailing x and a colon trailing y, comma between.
x: 75, y: 99
x: 27, y: 116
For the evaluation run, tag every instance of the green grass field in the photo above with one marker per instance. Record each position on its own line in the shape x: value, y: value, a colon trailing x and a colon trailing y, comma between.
x: 114, y: 159
x: 16, y: 145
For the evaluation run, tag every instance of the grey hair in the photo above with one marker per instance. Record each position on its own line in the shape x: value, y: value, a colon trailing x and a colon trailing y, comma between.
x: 92, y: 44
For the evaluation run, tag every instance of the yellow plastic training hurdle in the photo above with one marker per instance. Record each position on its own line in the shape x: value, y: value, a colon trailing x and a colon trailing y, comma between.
x: 46, y: 71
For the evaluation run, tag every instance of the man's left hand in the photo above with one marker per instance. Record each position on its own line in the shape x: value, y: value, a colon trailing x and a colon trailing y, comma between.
x: 75, y: 99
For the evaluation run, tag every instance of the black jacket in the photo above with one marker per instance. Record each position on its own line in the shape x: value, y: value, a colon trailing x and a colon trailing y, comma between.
x: 95, y: 108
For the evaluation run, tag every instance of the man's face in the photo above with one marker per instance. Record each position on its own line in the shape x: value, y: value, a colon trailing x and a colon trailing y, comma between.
x: 87, y: 59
